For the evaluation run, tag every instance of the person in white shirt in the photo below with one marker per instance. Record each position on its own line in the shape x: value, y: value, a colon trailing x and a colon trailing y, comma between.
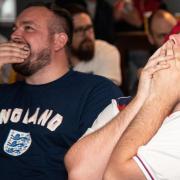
x: 142, y: 141
x: 91, y: 55
x: 150, y: 148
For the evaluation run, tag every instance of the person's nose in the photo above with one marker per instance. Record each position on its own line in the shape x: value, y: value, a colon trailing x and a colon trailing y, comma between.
x: 17, y: 36
x: 87, y: 33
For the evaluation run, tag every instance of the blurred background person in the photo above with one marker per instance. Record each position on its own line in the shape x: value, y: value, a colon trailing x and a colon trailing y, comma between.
x: 126, y: 16
x: 102, y: 15
x: 130, y: 14
x: 160, y: 24
x: 91, y: 55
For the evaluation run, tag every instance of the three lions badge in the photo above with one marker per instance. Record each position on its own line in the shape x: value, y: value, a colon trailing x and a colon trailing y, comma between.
x: 17, y: 143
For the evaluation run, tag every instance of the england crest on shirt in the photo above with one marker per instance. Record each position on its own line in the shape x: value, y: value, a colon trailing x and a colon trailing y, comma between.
x: 17, y: 143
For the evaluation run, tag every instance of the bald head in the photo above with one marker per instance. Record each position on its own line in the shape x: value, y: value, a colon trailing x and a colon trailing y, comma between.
x: 160, y: 24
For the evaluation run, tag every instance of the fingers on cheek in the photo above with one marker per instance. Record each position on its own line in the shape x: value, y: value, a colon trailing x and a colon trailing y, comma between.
x: 175, y: 38
x: 169, y: 52
x: 162, y: 62
x: 163, y: 52
x: 176, y: 52
x: 162, y: 65
x: 166, y: 59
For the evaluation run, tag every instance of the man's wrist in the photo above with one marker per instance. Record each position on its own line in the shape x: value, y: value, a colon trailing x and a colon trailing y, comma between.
x: 162, y: 100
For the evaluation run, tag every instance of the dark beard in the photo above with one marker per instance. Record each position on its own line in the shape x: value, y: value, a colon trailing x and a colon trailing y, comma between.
x: 28, y: 68
x: 85, y: 51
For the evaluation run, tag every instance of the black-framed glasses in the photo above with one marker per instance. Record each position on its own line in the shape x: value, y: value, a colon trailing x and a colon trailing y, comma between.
x: 83, y: 29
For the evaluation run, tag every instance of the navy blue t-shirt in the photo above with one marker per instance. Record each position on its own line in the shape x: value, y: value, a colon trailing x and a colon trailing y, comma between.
x: 39, y: 123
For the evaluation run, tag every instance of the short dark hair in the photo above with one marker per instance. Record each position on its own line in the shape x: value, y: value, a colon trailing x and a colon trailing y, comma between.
x: 76, y: 9
x: 64, y: 17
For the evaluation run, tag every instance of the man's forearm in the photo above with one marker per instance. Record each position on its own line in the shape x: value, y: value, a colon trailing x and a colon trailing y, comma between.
x: 139, y: 132
x: 88, y: 158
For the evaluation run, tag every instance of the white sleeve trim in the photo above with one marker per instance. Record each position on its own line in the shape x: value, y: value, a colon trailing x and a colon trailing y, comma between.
x: 103, y: 118
x: 147, y: 173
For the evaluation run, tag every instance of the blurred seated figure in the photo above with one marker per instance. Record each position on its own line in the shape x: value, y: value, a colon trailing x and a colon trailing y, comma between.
x: 160, y: 24
x: 7, y: 74
x: 102, y: 15
x: 90, y: 55
x: 126, y: 16
x: 129, y: 14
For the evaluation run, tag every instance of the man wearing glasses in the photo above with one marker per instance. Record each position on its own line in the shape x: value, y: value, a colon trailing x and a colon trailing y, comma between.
x: 90, y: 55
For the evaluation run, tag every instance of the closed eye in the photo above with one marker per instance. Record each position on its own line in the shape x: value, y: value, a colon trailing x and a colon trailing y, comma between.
x: 28, y: 28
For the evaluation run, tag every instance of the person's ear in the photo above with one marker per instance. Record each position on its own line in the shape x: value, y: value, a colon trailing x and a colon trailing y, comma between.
x: 60, y: 40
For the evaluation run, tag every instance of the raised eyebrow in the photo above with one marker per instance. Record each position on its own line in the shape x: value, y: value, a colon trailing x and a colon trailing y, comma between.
x: 25, y: 23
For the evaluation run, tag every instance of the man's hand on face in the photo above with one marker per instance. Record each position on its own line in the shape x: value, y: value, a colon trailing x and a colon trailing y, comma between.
x: 11, y: 52
x: 166, y: 83
x: 158, y: 61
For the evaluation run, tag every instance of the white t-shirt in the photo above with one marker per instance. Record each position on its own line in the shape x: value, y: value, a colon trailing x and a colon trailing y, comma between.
x: 159, y: 159
x: 106, y: 62
x: 108, y: 114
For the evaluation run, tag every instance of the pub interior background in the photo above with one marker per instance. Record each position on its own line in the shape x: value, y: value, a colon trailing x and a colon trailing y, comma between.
x: 125, y: 41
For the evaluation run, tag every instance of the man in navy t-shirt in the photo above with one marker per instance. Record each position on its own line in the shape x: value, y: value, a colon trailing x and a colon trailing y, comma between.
x: 41, y: 117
